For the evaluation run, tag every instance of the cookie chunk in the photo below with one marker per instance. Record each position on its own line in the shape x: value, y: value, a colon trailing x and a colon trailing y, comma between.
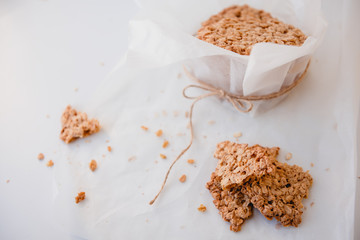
x: 280, y: 193
x: 237, y: 162
x: 80, y: 197
x: 233, y: 206
x: 76, y: 125
x: 238, y: 28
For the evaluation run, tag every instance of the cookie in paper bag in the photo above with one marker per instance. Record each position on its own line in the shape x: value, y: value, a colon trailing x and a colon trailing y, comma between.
x: 238, y: 28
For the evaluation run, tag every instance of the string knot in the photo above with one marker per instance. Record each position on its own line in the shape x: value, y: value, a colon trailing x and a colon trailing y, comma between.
x: 239, y: 102
x: 221, y: 93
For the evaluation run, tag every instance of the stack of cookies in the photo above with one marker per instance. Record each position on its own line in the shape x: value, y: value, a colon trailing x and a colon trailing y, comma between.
x: 250, y: 176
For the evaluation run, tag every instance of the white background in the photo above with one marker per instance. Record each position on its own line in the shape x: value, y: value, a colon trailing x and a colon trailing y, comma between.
x: 47, y: 49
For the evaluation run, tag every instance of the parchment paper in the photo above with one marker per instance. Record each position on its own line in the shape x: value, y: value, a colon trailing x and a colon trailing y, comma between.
x: 316, y: 123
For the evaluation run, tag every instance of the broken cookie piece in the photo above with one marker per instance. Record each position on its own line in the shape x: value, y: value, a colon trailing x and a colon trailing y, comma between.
x: 279, y: 195
x: 237, y: 162
x: 76, y: 125
x: 233, y: 205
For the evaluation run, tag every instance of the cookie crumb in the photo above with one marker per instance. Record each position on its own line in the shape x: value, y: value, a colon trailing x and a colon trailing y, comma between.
x: 165, y: 144
x: 186, y: 114
x: 132, y: 158
x: 180, y: 134
x: 87, y: 141
x: 103, y: 155
x: 47, y: 116
x: 327, y: 169
x: 147, y: 220
x: 162, y: 156
x: 109, y: 148
x: 311, y: 164
x: 176, y: 113
x: 211, y: 122
x: 182, y: 178
x: 288, y: 156
x: 312, y: 204
x: 80, y: 197
x: 7, y: 181
x: 179, y: 75
x: 93, y: 165
x: 237, y: 135
x: 164, y: 113
x: 159, y: 133
x: 41, y: 156
x: 76, y: 89
x: 107, y: 141
x: 156, y: 161
x: 191, y: 161
x: 50, y: 163
x: 202, y: 208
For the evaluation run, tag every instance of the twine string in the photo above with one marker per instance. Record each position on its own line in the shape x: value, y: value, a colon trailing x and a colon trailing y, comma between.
x: 240, y: 103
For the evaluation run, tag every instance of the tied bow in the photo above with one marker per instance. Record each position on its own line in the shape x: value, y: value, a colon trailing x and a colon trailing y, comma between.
x: 240, y: 103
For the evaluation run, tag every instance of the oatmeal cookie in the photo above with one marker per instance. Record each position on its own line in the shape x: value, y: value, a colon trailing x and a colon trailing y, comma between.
x: 233, y: 206
x: 237, y: 162
x: 238, y: 28
x: 280, y: 193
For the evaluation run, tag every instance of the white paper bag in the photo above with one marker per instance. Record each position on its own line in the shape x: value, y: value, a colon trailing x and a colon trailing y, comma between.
x: 165, y: 32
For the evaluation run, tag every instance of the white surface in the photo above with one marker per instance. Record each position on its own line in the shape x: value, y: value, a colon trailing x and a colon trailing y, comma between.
x: 135, y: 95
x: 48, y: 48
